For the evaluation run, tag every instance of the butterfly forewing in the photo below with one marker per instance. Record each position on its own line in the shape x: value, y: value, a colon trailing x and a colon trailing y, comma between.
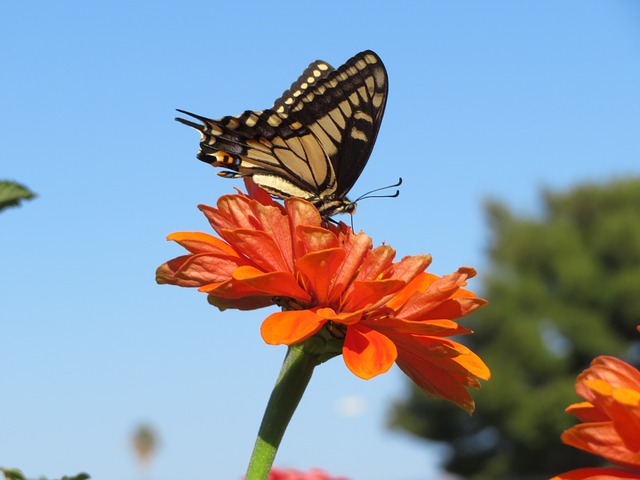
x: 315, y: 72
x: 316, y: 139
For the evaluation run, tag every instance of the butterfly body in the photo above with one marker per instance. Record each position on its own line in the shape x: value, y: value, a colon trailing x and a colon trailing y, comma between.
x: 315, y: 140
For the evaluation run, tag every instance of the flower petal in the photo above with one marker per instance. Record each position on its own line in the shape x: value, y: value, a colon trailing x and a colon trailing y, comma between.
x: 437, y: 291
x: 319, y: 269
x: 301, y: 212
x: 242, y: 303
x: 440, y: 367
x: 347, y: 318
x: 197, y: 270
x: 597, y: 474
x: 368, y: 353
x: 613, y: 371
x: 311, y: 238
x: 369, y: 294
x: 197, y: 242
x: 410, y: 267
x: 251, y: 281
x: 356, y: 248
x: 290, y: 327
x: 604, y: 440
x: 434, y: 328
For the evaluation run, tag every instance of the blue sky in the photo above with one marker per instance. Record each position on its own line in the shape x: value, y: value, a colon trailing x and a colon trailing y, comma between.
x: 492, y: 99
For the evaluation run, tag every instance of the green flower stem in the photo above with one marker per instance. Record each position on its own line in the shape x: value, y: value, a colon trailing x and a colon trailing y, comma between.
x: 293, y: 380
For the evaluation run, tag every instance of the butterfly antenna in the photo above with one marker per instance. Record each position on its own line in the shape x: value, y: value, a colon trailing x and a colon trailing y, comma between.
x: 368, y: 194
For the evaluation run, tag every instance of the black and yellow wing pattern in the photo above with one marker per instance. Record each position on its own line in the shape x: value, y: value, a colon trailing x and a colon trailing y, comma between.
x: 315, y: 140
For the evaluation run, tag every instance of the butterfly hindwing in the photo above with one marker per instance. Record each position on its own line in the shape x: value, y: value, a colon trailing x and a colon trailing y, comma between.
x: 313, y: 143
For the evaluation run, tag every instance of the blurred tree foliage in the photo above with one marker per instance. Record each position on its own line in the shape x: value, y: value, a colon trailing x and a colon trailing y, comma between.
x: 12, y: 193
x: 562, y: 289
x: 15, y: 474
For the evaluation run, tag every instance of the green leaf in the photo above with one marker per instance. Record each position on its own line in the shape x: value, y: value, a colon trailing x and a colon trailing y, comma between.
x: 15, y: 474
x: 12, y: 474
x: 11, y: 193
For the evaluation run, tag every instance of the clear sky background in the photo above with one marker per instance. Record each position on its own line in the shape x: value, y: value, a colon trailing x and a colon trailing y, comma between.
x: 491, y: 99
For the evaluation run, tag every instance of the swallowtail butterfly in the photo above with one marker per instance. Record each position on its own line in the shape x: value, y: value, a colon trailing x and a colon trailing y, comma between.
x: 315, y: 140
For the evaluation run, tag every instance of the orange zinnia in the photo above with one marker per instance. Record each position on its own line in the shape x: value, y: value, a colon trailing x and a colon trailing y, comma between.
x: 611, y: 419
x: 327, y: 278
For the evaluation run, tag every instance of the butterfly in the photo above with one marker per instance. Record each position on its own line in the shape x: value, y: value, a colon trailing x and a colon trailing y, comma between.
x: 315, y: 140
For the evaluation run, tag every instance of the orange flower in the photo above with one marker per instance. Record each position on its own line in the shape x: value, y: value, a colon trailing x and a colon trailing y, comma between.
x: 610, y: 416
x: 332, y: 280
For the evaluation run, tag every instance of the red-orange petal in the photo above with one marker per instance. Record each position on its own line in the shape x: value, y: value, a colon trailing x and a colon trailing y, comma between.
x: 438, y: 291
x: 260, y: 248
x: 290, y: 327
x: 375, y: 263
x: 345, y: 318
x: 356, y: 248
x: 319, y: 269
x: 198, y: 270
x: 242, y: 303
x: 613, y: 371
x: 366, y: 294
x: 435, y: 328
x: 277, y: 284
x: 311, y: 238
x: 368, y: 353
x: 198, y: 242
x: 597, y: 474
x: 410, y: 267
x: 301, y: 212
x: 439, y: 367
x: 586, y: 412
x: 604, y: 440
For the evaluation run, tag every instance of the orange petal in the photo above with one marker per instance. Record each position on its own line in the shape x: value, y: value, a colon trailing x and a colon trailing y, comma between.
x: 597, y: 474
x: 439, y: 290
x: 440, y: 367
x: 277, y: 284
x: 260, y: 248
x: 586, y: 412
x: 453, y: 308
x: 254, y: 192
x: 290, y: 327
x: 234, y: 211
x: 613, y: 371
x: 368, y: 353
x: 311, y: 238
x: 419, y: 284
x: 356, y: 248
x: 349, y: 318
x: 243, y: 303
x: 319, y: 269
x: 197, y: 242
x: 604, y: 440
x: 410, y: 267
x: 301, y: 212
x: 434, y: 328
x: 366, y: 294
x: 376, y: 262
x: 197, y: 270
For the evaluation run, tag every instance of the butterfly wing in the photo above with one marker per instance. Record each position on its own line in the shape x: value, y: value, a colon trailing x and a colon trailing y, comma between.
x: 344, y: 111
x: 315, y: 141
x: 314, y: 73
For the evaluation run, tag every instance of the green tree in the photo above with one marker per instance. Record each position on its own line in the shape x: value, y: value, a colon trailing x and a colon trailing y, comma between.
x: 563, y: 288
